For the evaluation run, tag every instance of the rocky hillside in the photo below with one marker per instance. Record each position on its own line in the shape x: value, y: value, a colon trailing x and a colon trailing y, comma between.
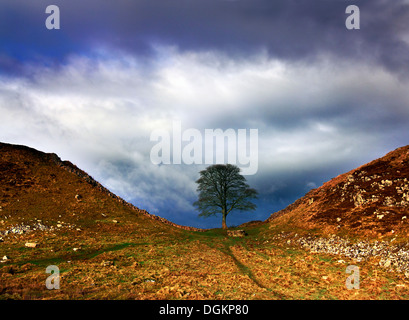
x: 371, y: 200
x: 39, y: 191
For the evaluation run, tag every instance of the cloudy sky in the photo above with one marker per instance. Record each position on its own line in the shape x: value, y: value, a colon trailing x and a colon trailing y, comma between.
x: 323, y: 98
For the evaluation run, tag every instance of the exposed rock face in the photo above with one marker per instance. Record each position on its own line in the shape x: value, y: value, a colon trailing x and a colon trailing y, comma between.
x: 372, y: 199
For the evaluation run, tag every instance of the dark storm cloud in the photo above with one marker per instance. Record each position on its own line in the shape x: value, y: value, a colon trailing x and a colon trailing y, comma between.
x: 324, y: 99
x: 290, y: 30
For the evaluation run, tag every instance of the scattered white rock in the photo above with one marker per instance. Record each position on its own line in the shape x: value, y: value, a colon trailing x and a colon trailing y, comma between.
x: 387, y: 263
x: 31, y: 244
x: 396, y: 256
x: 150, y: 280
x: 106, y: 263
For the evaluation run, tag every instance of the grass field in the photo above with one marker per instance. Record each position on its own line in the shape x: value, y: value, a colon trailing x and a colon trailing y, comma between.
x: 130, y: 261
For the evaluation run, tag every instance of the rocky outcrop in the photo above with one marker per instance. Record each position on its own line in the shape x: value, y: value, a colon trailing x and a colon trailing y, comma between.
x: 371, y: 199
x: 389, y: 255
x: 383, y: 253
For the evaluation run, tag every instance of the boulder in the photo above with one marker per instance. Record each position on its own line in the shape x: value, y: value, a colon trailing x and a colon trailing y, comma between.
x: 236, y: 233
x: 31, y: 244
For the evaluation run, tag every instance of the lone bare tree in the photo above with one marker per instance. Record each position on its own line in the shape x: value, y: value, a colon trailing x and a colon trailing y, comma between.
x: 223, y: 189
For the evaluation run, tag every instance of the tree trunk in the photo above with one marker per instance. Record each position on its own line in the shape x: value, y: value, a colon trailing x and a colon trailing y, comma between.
x: 224, y: 226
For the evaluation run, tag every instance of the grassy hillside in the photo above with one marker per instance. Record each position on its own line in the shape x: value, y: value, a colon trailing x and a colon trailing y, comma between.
x: 52, y: 213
